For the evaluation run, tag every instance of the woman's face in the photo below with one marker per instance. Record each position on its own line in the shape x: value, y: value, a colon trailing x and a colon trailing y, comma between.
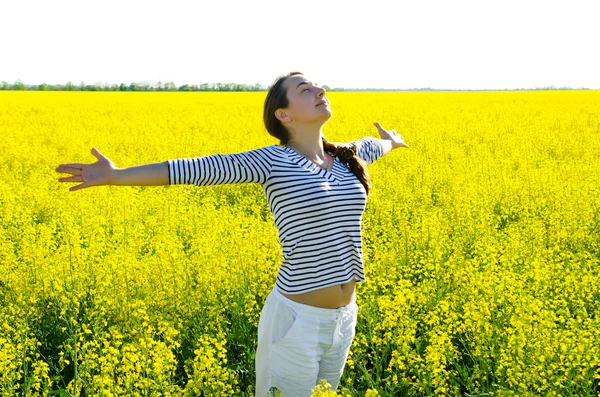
x: 304, y: 106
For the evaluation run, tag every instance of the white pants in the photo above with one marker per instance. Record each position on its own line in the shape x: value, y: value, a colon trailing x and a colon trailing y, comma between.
x: 298, y: 345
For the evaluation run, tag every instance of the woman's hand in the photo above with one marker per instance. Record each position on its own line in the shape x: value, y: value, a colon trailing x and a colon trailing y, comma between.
x: 97, y: 174
x: 397, y: 140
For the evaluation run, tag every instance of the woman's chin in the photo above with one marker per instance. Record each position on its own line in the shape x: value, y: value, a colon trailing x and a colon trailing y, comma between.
x: 324, y: 110
x: 326, y: 116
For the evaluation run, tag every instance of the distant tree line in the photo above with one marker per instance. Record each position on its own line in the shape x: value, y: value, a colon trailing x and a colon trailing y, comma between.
x: 169, y: 86
x: 479, y: 89
x: 142, y: 86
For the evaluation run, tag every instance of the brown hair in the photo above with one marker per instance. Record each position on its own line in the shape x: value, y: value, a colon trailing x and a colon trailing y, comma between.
x: 277, y: 98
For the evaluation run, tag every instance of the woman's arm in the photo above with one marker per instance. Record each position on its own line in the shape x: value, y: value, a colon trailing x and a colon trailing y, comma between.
x: 215, y: 169
x: 369, y: 148
x: 252, y: 166
x: 387, y: 145
x: 154, y: 174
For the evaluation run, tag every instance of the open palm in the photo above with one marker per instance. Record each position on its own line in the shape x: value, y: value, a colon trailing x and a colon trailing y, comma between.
x: 397, y: 140
x: 95, y: 174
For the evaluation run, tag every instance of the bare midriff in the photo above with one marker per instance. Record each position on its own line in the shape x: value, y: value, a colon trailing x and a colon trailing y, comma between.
x: 330, y: 297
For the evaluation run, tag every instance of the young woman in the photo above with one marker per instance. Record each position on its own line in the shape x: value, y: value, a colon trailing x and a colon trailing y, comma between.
x: 317, y: 192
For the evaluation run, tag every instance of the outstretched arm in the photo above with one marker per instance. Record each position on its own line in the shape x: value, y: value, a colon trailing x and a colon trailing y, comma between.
x: 244, y: 167
x: 370, y: 148
x: 386, y: 145
x: 252, y: 166
x: 154, y: 174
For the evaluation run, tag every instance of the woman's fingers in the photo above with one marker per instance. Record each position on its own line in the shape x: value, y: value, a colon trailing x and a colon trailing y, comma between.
x: 72, y: 171
x: 95, y: 173
x: 72, y: 165
x: 379, y: 127
x: 83, y: 185
x: 74, y: 178
x: 97, y: 153
x: 69, y: 170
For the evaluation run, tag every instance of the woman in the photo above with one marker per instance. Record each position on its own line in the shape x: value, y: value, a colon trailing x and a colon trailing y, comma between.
x: 317, y: 193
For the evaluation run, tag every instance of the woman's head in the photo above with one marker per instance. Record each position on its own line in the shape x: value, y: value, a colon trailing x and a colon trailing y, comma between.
x: 293, y: 100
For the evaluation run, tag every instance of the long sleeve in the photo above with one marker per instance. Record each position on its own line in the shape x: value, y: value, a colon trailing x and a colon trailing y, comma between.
x: 253, y: 166
x: 368, y: 148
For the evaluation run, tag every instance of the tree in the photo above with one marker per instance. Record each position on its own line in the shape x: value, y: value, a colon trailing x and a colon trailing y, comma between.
x: 19, y: 85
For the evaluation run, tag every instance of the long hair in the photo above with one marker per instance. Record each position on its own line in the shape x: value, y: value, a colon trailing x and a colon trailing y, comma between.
x: 277, y: 98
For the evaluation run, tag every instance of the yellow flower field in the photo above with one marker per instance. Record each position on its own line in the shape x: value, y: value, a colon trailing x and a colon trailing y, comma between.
x: 481, y: 246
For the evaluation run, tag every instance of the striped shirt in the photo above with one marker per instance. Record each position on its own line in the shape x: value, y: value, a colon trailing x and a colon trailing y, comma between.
x: 318, y: 213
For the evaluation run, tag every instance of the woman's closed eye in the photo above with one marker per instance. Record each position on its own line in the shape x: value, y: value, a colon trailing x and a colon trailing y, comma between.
x: 315, y: 84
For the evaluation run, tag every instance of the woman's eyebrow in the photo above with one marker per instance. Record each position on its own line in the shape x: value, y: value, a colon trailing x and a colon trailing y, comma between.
x: 304, y: 82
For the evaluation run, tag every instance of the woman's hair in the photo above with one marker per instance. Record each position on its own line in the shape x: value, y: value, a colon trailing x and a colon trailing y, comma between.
x: 277, y: 98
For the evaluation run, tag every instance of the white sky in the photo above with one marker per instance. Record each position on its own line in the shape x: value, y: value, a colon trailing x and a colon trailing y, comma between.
x: 451, y: 44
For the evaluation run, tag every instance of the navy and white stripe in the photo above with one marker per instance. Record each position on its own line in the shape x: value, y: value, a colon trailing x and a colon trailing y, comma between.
x: 318, y: 213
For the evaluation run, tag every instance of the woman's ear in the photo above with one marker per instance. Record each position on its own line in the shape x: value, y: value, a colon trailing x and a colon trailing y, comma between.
x: 282, y: 115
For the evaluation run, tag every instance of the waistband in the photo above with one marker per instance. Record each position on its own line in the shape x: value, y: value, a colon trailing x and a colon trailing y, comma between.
x: 313, y: 310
